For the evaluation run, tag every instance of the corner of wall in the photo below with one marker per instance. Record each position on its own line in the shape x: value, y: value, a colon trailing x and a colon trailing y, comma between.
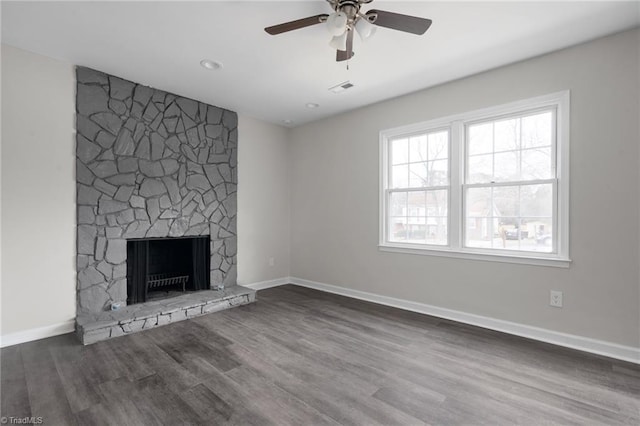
x: 263, y: 201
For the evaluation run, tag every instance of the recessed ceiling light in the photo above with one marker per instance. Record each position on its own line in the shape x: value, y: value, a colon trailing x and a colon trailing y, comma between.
x: 210, y: 65
x: 312, y: 105
x: 287, y: 121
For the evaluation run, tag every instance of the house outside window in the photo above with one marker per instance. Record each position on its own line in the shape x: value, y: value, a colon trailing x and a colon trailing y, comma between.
x: 490, y: 184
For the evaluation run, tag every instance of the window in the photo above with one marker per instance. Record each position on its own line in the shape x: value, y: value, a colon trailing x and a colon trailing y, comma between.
x: 509, y: 182
x: 419, y: 192
x: 489, y: 184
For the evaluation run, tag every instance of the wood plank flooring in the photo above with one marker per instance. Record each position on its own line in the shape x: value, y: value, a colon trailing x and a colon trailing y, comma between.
x: 303, y: 357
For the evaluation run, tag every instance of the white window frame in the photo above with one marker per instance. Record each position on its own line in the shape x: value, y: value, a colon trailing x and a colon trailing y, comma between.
x: 456, y: 124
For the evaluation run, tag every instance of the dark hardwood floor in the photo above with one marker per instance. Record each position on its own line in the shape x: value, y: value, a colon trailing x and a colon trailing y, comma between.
x: 304, y: 357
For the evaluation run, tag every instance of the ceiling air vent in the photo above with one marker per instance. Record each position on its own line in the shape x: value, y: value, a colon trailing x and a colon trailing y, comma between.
x: 339, y: 88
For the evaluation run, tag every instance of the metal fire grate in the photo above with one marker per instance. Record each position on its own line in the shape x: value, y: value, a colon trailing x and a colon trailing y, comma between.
x: 158, y: 281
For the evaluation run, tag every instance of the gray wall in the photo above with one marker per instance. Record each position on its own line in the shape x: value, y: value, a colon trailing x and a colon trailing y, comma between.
x: 263, y: 201
x: 38, y: 163
x: 334, y: 199
x: 149, y: 164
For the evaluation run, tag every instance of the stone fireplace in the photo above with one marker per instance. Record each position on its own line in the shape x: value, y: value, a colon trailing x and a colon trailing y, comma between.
x: 150, y: 165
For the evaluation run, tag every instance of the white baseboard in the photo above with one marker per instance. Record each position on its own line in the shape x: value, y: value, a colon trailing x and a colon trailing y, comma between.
x: 261, y: 285
x: 599, y: 347
x: 37, y: 333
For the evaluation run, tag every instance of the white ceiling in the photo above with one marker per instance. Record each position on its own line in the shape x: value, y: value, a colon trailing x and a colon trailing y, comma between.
x: 272, y: 77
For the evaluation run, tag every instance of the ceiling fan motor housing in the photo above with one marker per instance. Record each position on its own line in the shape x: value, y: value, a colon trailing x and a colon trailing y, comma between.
x: 349, y: 8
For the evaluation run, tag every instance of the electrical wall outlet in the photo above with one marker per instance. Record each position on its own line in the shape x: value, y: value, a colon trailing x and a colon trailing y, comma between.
x: 272, y: 261
x: 555, y: 299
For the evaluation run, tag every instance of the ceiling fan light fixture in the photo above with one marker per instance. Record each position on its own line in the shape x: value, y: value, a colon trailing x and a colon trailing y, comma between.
x: 339, y: 42
x: 365, y: 29
x: 337, y: 23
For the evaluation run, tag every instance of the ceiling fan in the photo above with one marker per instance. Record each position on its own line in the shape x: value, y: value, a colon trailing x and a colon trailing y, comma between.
x: 348, y: 18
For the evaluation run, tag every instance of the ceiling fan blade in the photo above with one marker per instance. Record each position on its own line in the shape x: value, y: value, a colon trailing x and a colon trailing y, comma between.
x: 344, y: 55
x: 396, y: 21
x: 297, y: 24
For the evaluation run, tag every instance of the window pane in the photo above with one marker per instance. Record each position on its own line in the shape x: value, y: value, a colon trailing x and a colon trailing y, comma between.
x: 400, y: 176
x: 539, y: 234
x: 479, y: 218
x: 399, y: 151
x: 507, y: 135
x: 418, y: 148
x: 536, y: 200
x: 437, y: 219
x: 398, y: 231
x: 536, y: 130
x: 480, y: 138
x: 517, y: 217
x: 398, y: 204
x: 438, y: 172
x: 480, y: 169
x: 478, y: 202
x: 506, y: 165
x: 419, y: 217
x: 505, y: 200
x: 438, y: 203
x: 417, y: 203
x: 436, y: 230
x: 509, y: 233
x: 536, y: 163
x: 418, y: 175
x: 478, y: 232
x: 521, y: 146
x: 479, y: 222
x: 416, y: 228
x: 439, y: 146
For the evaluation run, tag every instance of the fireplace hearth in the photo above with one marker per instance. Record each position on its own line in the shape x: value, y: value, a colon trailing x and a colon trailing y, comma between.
x: 161, y: 267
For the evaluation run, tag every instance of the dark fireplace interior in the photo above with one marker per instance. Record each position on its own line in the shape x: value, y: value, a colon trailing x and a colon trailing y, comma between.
x: 162, y: 267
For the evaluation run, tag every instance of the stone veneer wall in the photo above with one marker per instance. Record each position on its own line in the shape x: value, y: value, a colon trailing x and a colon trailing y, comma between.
x: 149, y: 164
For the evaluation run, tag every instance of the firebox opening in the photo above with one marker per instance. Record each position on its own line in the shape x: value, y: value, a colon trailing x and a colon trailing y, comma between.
x: 165, y: 267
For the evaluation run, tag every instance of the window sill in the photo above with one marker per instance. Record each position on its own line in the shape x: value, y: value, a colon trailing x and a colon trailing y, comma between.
x: 471, y: 255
